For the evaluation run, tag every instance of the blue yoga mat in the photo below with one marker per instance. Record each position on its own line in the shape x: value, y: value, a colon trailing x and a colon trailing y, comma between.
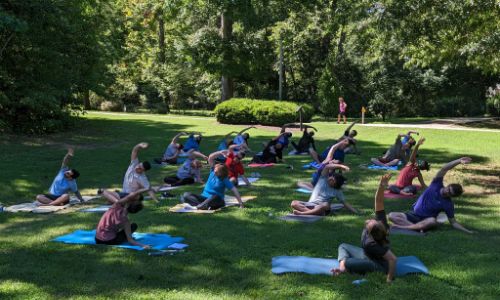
x: 375, y: 167
x: 311, y: 265
x: 305, y: 191
x: 86, y: 237
x: 98, y: 209
x: 310, y: 165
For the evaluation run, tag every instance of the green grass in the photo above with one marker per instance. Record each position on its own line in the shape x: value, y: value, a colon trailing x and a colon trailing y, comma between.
x: 230, y: 252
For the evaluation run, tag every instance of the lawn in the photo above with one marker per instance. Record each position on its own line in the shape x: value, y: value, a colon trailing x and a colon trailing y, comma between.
x: 230, y: 252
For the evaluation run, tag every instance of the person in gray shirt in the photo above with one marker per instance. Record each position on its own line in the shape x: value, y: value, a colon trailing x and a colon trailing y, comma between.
x: 397, y: 152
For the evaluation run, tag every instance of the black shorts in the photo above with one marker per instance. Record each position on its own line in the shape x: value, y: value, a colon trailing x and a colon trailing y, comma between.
x: 414, y: 218
x: 52, y: 197
x: 342, y: 113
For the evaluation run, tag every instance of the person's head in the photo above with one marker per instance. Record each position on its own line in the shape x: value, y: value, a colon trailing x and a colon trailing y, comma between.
x: 336, y: 181
x: 341, y: 99
x: 353, y: 133
x: 229, y: 142
x: 180, y: 146
x: 311, y: 133
x: 423, y: 165
x: 452, y: 190
x: 377, y: 230
x: 142, y: 167
x: 221, y: 171
x: 239, y: 157
x: 196, y: 164
x: 135, y: 206
x: 71, y: 174
x: 245, y: 136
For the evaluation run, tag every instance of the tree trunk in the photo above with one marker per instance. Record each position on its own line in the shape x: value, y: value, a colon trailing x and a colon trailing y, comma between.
x: 86, y: 99
x: 161, y: 37
x: 226, y: 32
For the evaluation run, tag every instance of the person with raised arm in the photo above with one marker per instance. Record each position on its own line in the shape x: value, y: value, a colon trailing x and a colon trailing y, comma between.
x: 135, y: 178
x: 114, y: 228
x: 375, y: 253
x: 218, y: 181
x: 173, y: 150
x: 396, y: 153
x: 242, y: 137
x: 306, y: 141
x: 188, y: 172
x: 435, y: 199
x: 403, y: 184
x: 64, y: 182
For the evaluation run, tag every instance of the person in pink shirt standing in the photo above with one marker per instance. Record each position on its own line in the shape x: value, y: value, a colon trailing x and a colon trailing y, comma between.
x: 342, y: 109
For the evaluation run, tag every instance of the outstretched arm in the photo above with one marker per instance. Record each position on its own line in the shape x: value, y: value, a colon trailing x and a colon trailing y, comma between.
x: 135, y: 150
x: 177, y: 136
x: 412, y: 132
x: 131, y: 197
x: 379, y: 195
x: 130, y: 239
x: 237, y: 195
x: 391, y: 260
x: 451, y: 165
x: 248, y: 128
x: 229, y: 134
x: 458, y: 226
x: 329, y: 156
x: 350, y: 126
x: 413, y: 157
x: 67, y: 157
x: 213, y: 156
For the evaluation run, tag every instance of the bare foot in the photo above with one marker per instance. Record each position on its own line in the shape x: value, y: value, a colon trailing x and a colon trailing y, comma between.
x: 337, y: 272
x: 297, y: 212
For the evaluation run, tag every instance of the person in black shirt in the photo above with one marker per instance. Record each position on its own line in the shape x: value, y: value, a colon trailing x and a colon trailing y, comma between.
x: 375, y: 253
x: 305, y: 142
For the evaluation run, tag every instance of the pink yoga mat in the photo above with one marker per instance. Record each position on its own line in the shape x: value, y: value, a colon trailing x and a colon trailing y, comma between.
x: 389, y: 195
x: 260, y: 165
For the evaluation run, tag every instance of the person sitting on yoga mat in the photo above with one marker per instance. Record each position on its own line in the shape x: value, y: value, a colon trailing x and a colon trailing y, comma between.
x: 64, y: 182
x: 284, y: 136
x: 188, y: 172
x: 135, y: 178
x: 395, y: 153
x: 173, y: 150
x: 272, y: 153
x: 375, y: 253
x: 193, y: 142
x: 212, y: 196
x: 306, y: 141
x: 322, y: 194
x: 242, y: 137
x: 235, y: 167
x: 114, y: 228
x: 404, y: 184
x: 328, y: 159
x: 338, y: 155
x: 350, y: 134
x: 435, y: 199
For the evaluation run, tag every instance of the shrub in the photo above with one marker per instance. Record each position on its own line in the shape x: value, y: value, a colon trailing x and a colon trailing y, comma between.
x: 265, y: 112
x: 111, y: 106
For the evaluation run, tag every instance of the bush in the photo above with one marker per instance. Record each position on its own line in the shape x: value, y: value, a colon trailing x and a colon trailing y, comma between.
x: 265, y: 112
x: 111, y: 106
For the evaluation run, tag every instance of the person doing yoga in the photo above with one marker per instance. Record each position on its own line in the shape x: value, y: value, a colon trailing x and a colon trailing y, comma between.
x: 114, y: 228
x: 188, y: 172
x: 306, y: 141
x: 173, y: 150
x: 64, y: 182
x: 435, y: 199
x: 242, y: 137
x: 395, y: 153
x: 218, y: 181
x: 135, y: 178
x: 235, y: 167
x: 375, y: 253
x: 405, y: 178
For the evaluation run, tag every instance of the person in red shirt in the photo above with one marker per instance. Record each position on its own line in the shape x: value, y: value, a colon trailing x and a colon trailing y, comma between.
x: 404, y: 181
x: 235, y: 167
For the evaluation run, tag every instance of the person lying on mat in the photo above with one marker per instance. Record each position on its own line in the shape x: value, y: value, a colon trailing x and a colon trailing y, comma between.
x: 235, y: 166
x: 306, y: 141
x: 135, y: 178
x: 218, y: 181
x: 375, y: 253
x: 327, y: 188
x: 404, y: 182
x: 173, y: 150
x: 242, y: 137
x: 114, y: 228
x: 435, y: 199
x: 188, y: 172
x: 395, y: 153
x: 328, y: 159
x: 64, y: 182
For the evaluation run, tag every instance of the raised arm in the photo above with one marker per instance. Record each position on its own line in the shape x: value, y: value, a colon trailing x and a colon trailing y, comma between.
x: 350, y: 126
x: 332, y: 166
x: 410, y: 132
x: 229, y: 134
x: 131, y: 197
x: 213, y: 156
x: 248, y: 128
x: 289, y: 125
x: 451, y: 165
x: 413, y: 157
x: 329, y: 156
x: 177, y: 136
x: 135, y: 150
x: 379, y: 195
x: 67, y: 157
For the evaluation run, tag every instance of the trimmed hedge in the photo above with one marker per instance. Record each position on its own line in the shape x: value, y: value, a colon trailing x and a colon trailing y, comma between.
x: 264, y: 112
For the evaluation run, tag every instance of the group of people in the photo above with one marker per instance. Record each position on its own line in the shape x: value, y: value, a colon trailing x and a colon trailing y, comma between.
x: 226, y: 167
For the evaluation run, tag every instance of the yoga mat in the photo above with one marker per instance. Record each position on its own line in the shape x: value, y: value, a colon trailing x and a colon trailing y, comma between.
x: 375, y: 167
x: 294, y: 152
x: 165, y: 188
x: 401, y: 231
x: 98, y: 209
x: 254, y: 165
x: 87, y: 237
x: 229, y: 200
x: 389, y: 195
x: 311, y: 265
x: 250, y: 179
x: 44, y: 209
x: 303, y: 190
x: 310, y: 165
x: 302, y: 218
x: 178, y: 246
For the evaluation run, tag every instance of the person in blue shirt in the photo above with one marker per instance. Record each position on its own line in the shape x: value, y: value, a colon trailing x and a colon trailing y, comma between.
x: 435, y: 199
x: 241, y: 139
x: 218, y: 181
x: 64, y: 182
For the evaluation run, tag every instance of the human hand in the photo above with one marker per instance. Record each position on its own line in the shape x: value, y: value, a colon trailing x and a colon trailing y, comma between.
x: 465, y: 160
x: 384, y: 180
x: 71, y: 151
x: 421, y: 141
x: 143, y: 145
x: 346, y: 168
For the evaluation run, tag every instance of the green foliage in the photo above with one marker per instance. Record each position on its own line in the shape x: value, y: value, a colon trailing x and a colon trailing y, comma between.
x: 265, y: 112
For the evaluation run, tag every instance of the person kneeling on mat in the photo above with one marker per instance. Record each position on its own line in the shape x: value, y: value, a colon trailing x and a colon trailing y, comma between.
x: 212, y: 196
x: 322, y: 194
x: 63, y: 183
x: 375, y: 253
x: 188, y: 173
x: 435, y: 199
x: 114, y: 228
x: 404, y: 182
